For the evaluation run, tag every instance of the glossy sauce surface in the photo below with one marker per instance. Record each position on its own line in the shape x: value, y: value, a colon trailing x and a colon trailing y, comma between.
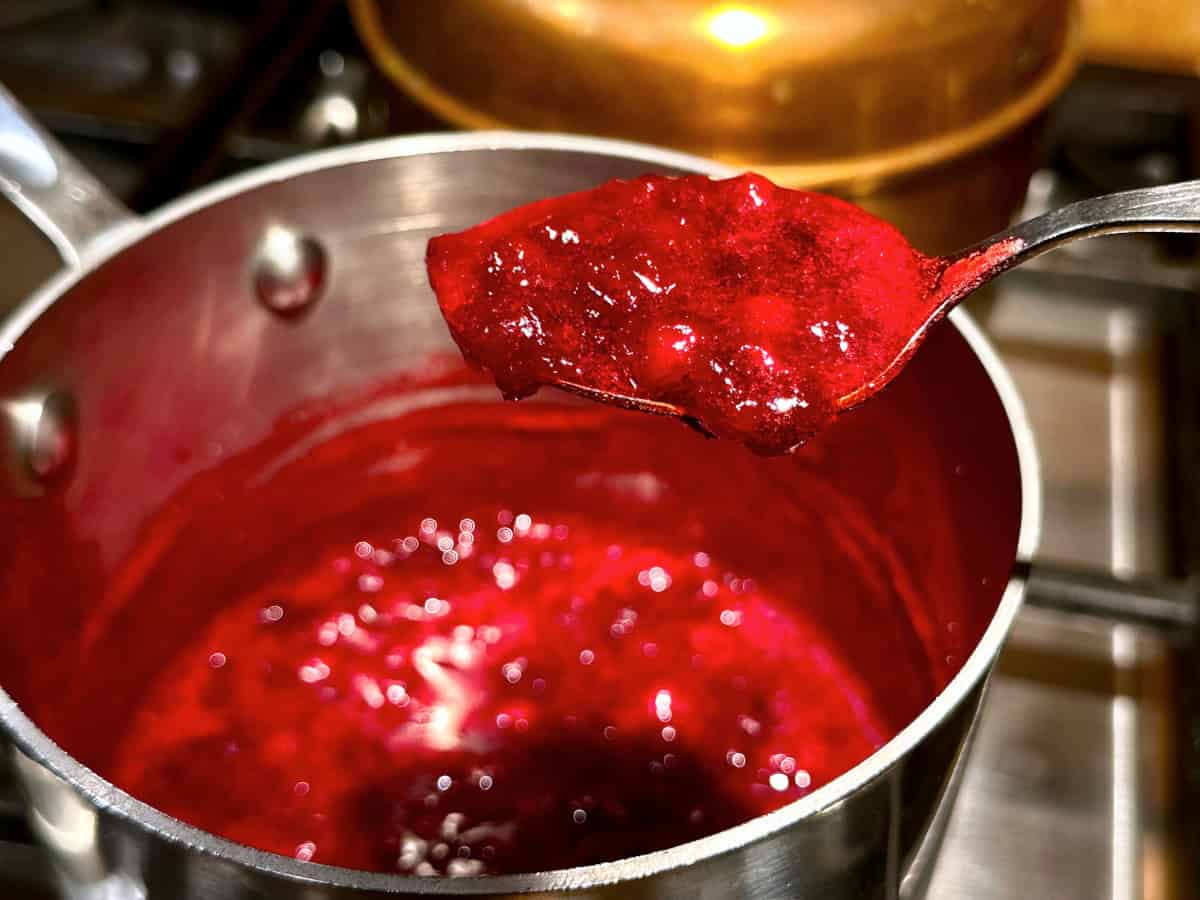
x: 545, y: 691
x: 428, y: 632
x: 753, y: 309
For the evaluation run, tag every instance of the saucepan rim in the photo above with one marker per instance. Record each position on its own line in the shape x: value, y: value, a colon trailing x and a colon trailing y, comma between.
x: 112, y: 800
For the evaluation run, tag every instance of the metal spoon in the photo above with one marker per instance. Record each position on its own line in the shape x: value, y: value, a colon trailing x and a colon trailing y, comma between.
x: 1170, y: 207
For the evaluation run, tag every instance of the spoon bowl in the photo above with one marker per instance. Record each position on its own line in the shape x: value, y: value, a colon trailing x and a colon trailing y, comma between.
x: 1172, y: 207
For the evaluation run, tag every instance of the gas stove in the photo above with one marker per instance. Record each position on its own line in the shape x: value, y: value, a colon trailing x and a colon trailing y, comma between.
x: 1084, y: 769
x: 1079, y: 782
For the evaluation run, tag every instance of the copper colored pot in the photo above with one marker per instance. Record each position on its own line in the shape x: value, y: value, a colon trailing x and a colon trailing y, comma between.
x: 923, y: 112
x: 1158, y: 36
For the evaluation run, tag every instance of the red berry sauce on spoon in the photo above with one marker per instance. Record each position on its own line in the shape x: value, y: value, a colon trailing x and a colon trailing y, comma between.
x: 757, y: 311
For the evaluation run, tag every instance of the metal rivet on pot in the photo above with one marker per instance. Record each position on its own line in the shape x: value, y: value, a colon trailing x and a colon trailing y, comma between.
x: 42, y: 432
x: 288, y: 270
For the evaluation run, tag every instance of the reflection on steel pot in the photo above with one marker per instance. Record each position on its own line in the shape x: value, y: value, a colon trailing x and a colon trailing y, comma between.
x: 169, y: 312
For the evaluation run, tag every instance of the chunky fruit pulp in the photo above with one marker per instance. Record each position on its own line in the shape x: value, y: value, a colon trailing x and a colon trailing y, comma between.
x: 434, y: 633
x: 503, y: 689
x: 750, y: 308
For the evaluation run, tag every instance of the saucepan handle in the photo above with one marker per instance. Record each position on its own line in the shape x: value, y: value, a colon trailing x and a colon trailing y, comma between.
x: 60, y: 197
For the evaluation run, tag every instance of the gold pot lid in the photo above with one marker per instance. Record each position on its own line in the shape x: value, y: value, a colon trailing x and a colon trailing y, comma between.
x: 809, y: 92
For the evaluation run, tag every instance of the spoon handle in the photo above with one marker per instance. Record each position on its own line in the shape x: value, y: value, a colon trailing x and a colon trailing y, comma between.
x: 1169, y: 207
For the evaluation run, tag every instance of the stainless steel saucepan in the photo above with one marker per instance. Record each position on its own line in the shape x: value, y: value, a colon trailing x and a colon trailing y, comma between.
x: 303, y: 280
